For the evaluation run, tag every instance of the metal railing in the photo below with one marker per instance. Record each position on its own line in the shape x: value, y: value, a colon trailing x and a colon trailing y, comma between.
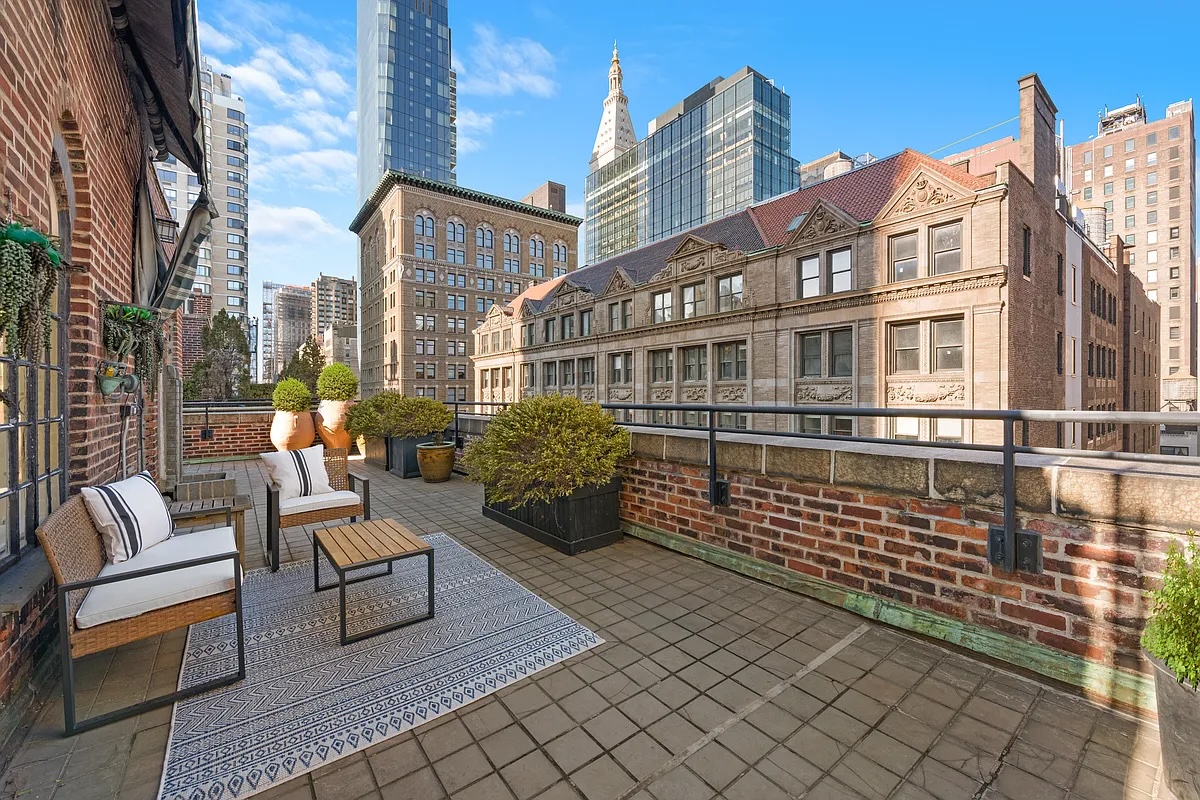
x: 718, y: 490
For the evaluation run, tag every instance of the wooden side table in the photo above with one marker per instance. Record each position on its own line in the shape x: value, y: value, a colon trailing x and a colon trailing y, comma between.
x: 193, y: 511
x: 367, y: 544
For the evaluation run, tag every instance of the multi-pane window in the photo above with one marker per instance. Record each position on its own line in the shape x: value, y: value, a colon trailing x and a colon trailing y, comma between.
x: 906, y: 347
x: 455, y: 232
x: 695, y: 299
x: 548, y: 328
x: 567, y: 326
x: 947, y: 430
x: 731, y: 361
x: 841, y: 352
x: 947, y: 345
x: 585, y: 323
x: 729, y: 292
x: 620, y: 368
x: 483, y: 238
x: 423, y: 225
x: 946, y: 245
x: 550, y: 374
x: 663, y: 310
x: 566, y: 373
x: 662, y: 366
x: 904, y: 257
x: 839, y: 270
x: 695, y: 363
x: 527, y: 376
x: 734, y: 420
x: 810, y: 355
x: 587, y: 371
x: 810, y: 276
x: 527, y: 332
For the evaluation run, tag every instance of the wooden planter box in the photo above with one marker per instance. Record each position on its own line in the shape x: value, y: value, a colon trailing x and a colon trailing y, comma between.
x: 397, y: 456
x: 589, y: 518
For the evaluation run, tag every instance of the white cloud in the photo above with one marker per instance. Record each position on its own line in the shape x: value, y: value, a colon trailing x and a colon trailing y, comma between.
x: 280, y: 138
x: 213, y: 40
x: 327, y: 170
x: 499, y: 67
x: 326, y: 128
x: 471, y: 126
x: 275, y: 224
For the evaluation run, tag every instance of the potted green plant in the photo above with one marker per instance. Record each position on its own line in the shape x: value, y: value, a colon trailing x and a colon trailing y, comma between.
x: 336, y: 387
x: 427, y: 417
x: 292, y: 427
x: 549, y: 469
x: 394, y: 426
x: 1172, y: 643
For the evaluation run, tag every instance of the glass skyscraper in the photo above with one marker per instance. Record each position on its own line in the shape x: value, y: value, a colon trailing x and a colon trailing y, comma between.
x: 723, y: 148
x: 406, y: 102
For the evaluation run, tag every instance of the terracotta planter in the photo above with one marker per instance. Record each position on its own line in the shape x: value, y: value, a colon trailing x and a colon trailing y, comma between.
x: 331, y: 423
x: 436, y: 461
x: 292, y: 430
x: 1178, y: 721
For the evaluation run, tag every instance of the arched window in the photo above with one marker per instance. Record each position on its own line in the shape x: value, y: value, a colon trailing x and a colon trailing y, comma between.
x: 560, y: 251
x: 423, y: 225
x: 537, y: 247
x: 483, y: 237
x: 455, y: 231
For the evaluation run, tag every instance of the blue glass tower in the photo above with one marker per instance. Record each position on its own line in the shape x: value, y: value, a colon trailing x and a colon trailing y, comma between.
x: 406, y: 92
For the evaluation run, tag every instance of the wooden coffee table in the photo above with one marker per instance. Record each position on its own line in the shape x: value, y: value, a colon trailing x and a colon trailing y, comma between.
x: 192, y: 512
x: 368, y: 544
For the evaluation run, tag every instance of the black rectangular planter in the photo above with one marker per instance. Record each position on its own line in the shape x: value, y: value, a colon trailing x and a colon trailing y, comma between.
x: 398, y: 456
x: 587, y: 519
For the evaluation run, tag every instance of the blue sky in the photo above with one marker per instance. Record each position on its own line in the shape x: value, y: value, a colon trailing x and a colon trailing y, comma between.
x: 532, y: 75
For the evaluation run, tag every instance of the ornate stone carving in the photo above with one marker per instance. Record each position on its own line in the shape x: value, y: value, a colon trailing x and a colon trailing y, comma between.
x: 508, y: 395
x: 731, y: 394
x: 924, y: 193
x: 618, y: 282
x: 821, y: 222
x: 587, y: 395
x: 568, y: 299
x: 838, y: 393
x: 692, y: 264
x: 551, y: 306
x: 662, y: 395
x: 927, y: 393
x: 695, y: 394
x: 620, y: 395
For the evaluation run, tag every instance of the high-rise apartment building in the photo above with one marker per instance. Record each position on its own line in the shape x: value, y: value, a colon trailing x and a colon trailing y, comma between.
x: 340, y: 344
x: 222, y: 271
x: 334, y: 302
x: 267, y: 330
x: 433, y: 258
x: 1142, y: 175
x: 406, y: 92
x: 725, y: 146
x: 293, y: 323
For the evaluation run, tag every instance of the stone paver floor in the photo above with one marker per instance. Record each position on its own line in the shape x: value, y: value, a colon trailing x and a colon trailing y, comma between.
x: 709, y: 686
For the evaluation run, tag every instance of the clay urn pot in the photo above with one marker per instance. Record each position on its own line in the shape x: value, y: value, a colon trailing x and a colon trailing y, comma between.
x: 292, y: 430
x: 331, y: 423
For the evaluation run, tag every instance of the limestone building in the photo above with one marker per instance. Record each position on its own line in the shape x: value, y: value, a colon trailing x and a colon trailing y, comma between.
x: 340, y: 344
x: 334, y: 303
x: 905, y: 283
x: 433, y: 259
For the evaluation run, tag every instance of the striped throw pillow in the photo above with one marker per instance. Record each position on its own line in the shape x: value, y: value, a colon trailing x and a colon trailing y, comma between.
x: 131, y: 516
x: 298, y: 473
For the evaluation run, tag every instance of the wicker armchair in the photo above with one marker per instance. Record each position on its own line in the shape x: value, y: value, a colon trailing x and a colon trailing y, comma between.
x: 76, y: 554
x: 344, y: 502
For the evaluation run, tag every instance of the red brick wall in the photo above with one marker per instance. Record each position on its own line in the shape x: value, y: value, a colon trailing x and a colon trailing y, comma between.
x: 923, y: 553
x: 190, y: 330
x: 243, y: 433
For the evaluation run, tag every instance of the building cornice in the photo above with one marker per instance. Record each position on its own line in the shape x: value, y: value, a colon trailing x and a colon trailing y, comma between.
x: 393, y: 179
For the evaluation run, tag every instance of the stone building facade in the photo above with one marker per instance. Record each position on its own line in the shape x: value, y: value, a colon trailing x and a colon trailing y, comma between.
x: 292, y: 317
x: 905, y: 283
x: 334, y: 302
x: 433, y: 259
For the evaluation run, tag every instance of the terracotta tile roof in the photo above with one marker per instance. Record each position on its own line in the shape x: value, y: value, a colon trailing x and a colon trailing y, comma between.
x: 861, y: 192
x: 536, y: 292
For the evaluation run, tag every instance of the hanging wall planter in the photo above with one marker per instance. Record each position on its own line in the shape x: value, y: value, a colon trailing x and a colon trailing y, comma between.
x: 29, y: 266
x: 137, y: 331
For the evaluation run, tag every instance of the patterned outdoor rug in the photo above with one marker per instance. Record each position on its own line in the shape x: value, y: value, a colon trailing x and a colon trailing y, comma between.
x: 307, y: 700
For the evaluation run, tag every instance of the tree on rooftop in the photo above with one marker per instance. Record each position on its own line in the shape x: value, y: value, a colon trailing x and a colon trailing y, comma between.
x: 306, y: 364
x: 223, y: 371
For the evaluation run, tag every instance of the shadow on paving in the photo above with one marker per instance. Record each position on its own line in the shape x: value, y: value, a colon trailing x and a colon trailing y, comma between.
x: 710, y: 685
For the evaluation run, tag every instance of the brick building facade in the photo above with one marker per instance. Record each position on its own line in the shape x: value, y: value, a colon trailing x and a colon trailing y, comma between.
x: 433, y: 258
x: 196, y: 318
x: 907, y: 283
x: 74, y: 139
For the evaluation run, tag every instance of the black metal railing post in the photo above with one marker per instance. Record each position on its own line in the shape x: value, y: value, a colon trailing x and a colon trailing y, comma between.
x: 1009, y: 456
x: 458, y: 442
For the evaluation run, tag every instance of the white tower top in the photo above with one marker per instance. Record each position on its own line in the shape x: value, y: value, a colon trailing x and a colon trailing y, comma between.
x: 616, y: 130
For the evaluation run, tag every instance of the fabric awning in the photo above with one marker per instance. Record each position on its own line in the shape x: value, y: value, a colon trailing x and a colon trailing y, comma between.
x: 174, y: 287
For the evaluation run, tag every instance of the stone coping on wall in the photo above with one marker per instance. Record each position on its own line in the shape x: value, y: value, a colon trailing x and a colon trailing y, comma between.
x: 1158, y: 495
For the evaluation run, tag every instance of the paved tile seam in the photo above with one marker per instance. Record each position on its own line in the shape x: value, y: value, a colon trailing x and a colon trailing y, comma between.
x: 746, y: 711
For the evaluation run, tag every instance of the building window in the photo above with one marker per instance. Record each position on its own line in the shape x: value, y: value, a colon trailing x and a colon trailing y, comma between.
x: 1060, y: 276
x: 483, y: 238
x: 841, y: 352
x: 548, y: 330
x: 907, y: 428
x: 731, y: 361
x: 527, y: 376
x: 695, y: 363
x: 1108, y: 189
x: 549, y: 374
x: 903, y: 256
x: 1152, y: 178
x: 1027, y: 255
x: 729, y: 293
x: 566, y: 373
x: 1087, y: 193
x: 620, y: 368
x: 906, y: 347
x: 663, y: 310
x: 662, y: 363
x: 947, y: 345
x: 1059, y: 348
x: 947, y: 430
x: 840, y: 279
x: 568, y: 326
x: 947, y: 248
x: 585, y: 323
x: 810, y: 276
x: 587, y: 371
x: 810, y: 355
x: 695, y: 300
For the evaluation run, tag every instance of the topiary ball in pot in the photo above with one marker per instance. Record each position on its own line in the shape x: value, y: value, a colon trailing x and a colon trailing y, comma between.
x: 337, y: 387
x: 418, y: 417
x: 292, y: 427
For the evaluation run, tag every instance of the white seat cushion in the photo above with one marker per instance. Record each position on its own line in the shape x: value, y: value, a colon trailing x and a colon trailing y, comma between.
x: 125, y: 599
x: 317, y: 502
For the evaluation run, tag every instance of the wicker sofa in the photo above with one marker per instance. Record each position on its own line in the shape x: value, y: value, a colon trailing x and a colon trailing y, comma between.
x: 344, y: 502
x: 186, y: 579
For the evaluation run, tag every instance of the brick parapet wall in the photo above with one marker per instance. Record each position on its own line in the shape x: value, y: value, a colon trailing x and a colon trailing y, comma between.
x: 236, y: 434
x: 909, y: 528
